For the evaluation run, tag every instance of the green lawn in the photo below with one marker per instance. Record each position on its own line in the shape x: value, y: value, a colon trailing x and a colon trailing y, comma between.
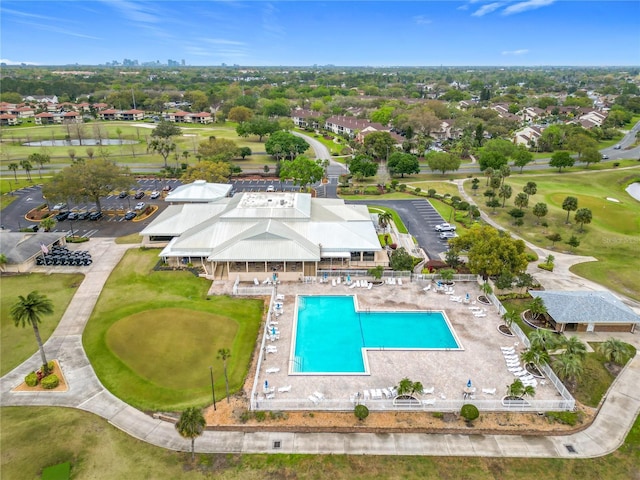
x: 154, y: 334
x: 612, y: 237
x: 395, y: 217
x: 98, y: 450
x: 17, y: 343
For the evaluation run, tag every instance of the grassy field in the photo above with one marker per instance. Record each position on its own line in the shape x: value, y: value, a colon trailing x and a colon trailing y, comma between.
x: 17, y: 343
x: 154, y: 334
x: 97, y: 450
x: 612, y: 237
x: 396, y: 218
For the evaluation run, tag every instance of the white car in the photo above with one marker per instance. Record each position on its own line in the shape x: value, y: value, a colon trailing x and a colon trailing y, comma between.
x: 140, y: 206
x: 155, y: 194
x: 445, y: 227
x: 271, y: 188
x: 444, y: 235
x: 59, y: 206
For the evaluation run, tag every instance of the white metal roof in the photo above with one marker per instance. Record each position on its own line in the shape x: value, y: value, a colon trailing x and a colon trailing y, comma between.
x: 199, y: 191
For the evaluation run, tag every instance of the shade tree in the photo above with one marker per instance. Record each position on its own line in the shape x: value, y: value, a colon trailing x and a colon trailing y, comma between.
x: 302, y: 170
x: 561, y: 159
x: 445, y: 162
x: 402, y: 163
x: 363, y: 165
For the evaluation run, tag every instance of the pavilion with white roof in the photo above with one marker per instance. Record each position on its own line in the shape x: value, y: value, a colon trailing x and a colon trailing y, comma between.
x: 261, y: 234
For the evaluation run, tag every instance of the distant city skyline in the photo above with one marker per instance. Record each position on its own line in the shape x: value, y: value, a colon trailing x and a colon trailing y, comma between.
x: 303, y: 33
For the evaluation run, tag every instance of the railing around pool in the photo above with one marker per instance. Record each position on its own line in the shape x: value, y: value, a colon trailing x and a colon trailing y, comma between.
x: 259, y: 402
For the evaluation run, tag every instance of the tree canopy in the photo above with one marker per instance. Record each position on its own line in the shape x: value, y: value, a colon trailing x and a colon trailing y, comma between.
x: 561, y: 159
x: 90, y: 180
x: 218, y: 149
x: 492, y: 159
x: 213, y: 172
x: 379, y: 144
x: 363, y: 165
x: 302, y: 170
x: 401, y: 163
x: 490, y: 251
x: 260, y: 126
x: 285, y: 145
x: 443, y: 162
x: 166, y: 129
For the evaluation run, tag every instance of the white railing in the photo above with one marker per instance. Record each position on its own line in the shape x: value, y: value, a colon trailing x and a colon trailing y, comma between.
x: 253, y: 291
x: 440, y: 405
x: 458, y: 277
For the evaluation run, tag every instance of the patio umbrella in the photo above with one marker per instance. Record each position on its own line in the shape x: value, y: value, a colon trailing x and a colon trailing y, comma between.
x: 266, y: 384
x: 273, y: 330
x: 348, y: 278
x: 469, y: 383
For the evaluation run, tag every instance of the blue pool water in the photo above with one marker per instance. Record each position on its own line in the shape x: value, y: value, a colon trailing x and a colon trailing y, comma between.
x: 330, y: 334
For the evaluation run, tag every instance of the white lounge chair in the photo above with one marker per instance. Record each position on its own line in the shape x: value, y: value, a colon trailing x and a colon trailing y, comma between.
x: 353, y: 285
x: 272, y: 349
x: 429, y: 401
x: 314, y: 399
x: 479, y: 315
x: 429, y: 391
x: 357, y: 284
x: 256, y: 282
x: 370, y: 285
x: 427, y: 288
x: 365, y: 394
x: 270, y: 396
x: 400, y: 281
x: 333, y: 282
x: 386, y: 393
x: 393, y: 391
x: 280, y: 296
x: 318, y: 395
x: 489, y: 391
x: 272, y: 370
x: 284, y: 389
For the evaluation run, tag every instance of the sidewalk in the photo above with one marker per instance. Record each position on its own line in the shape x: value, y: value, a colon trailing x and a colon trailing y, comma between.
x: 86, y: 393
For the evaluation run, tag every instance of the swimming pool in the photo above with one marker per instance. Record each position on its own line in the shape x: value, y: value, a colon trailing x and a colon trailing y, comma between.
x: 331, y: 334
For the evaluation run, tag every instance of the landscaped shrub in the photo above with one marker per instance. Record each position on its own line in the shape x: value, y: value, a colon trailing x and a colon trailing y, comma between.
x: 371, y: 191
x: 260, y: 416
x: 469, y: 412
x: 52, y: 381
x: 361, y: 412
x: 546, y: 266
x: 31, y: 380
x: 437, y: 415
x: 531, y: 257
x: 77, y: 239
x: 568, y: 418
x: 245, y: 416
x: 50, y: 366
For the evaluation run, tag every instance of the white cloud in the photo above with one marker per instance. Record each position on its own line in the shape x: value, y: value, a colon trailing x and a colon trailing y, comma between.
x: 6, y: 61
x: 488, y: 8
x: 63, y: 31
x: 421, y: 20
x: 134, y: 11
x: 270, y: 22
x: 223, y: 41
x: 522, y: 51
x: 18, y: 13
x: 527, y: 5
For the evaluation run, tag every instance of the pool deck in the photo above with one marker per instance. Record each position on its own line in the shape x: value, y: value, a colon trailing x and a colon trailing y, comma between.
x: 448, y: 372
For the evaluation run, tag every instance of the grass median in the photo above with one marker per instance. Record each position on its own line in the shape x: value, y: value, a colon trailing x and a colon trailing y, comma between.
x: 154, y: 334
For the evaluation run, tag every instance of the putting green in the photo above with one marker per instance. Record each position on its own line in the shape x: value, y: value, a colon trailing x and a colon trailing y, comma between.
x: 171, y: 347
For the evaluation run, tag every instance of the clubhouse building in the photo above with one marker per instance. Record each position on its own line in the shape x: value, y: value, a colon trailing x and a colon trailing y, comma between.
x: 260, y: 235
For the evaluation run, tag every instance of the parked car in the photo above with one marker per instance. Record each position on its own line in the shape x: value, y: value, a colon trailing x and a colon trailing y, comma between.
x: 139, y: 194
x: 605, y: 157
x: 166, y: 188
x: 155, y: 194
x: 59, y: 206
x: 130, y: 215
x: 445, y: 227
x: 95, y: 216
x: 444, y: 235
x: 123, y: 194
x: 617, y: 147
x: 83, y: 215
x: 62, y: 216
x: 73, y: 216
x: 140, y: 206
x: 271, y: 188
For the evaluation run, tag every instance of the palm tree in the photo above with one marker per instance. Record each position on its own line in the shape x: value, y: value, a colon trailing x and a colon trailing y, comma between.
x: 14, y: 166
x: 509, y: 317
x: 224, y: 354
x: 517, y: 389
x: 573, y: 346
x: 26, y: 164
x: 407, y: 387
x: 384, y: 219
x: 537, y: 308
x: 505, y: 192
x: 569, y: 367
x: 28, y: 311
x: 534, y: 356
x: 614, y: 350
x: 191, y: 425
x: 47, y: 223
x: 543, y: 339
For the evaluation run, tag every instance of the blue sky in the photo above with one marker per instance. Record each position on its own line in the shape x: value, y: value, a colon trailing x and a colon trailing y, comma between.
x: 373, y: 33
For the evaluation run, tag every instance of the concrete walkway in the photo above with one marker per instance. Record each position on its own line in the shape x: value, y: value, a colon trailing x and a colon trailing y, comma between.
x: 86, y: 393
